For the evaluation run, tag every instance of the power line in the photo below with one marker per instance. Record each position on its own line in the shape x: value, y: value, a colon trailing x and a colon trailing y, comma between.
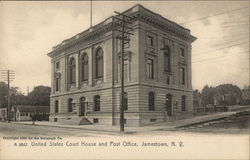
x: 214, y: 58
x: 234, y: 45
x: 202, y: 18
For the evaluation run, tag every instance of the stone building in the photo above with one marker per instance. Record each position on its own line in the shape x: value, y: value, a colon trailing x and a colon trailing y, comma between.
x: 86, y: 73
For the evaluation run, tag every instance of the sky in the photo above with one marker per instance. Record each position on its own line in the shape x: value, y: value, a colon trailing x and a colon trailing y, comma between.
x: 29, y: 30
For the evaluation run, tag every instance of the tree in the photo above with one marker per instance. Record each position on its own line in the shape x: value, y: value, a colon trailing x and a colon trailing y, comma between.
x: 3, y: 94
x: 40, y: 96
x: 207, y: 95
x: 196, y: 98
x: 16, y: 97
x: 231, y: 94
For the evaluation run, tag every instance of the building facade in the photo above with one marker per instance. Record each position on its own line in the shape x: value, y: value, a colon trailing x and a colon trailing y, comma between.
x: 157, y: 73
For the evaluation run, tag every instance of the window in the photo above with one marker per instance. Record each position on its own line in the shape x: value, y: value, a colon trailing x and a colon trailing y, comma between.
x: 97, y: 103
x: 183, y: 103
x: 125, y: 101
x: 82, y: 106
x: 57, y: 83
x: 84, y: 68
x: 95, y: 120
x: 70, y: 105
x: 150, y: 68
x: 56, y: 106
x: 153, y: 120
x: 150, y: 40
x: 126, y: 70
x: 168, y: 80
x: 182, y: 52
x: 99, y: 63
x: 169, y: 104
x: 57, y: 65
x: 151, y: 101
x: 167, y: 59
x: 72, y: 71
x: 182, y: 75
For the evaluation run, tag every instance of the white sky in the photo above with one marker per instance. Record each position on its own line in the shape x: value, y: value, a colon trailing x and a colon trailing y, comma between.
x: 28, y: 31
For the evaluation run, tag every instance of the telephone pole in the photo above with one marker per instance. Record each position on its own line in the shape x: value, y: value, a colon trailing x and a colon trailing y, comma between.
x: 8, y: 75
x: 120, y: 24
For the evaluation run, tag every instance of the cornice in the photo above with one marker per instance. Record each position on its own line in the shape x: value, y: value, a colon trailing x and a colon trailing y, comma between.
x: 142, y: 14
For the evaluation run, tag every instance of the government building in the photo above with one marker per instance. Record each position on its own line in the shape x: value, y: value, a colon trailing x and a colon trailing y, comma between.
x: 86, y: 73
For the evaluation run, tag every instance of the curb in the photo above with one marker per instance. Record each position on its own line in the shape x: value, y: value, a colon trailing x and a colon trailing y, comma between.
x: 94, y: 130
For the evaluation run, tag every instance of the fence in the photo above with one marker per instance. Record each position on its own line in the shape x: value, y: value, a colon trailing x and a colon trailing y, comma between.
x: 208, y: 109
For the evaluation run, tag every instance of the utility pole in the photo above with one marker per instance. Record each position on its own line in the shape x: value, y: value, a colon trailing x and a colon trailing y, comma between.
x: 90, y: 13
x: 8, y: 75
x: 125, y: 33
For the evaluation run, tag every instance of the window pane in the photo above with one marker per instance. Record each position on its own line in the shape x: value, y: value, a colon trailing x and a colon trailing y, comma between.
x: 126, y: 69
x: 97, y: 103
x: 125, y: 101
x: 70, y: 105
x: 182, y: 53
x: 151, y: 101
x: 56, y: 106
x: 57, y: 84
x: 150, y: 40
x: 167, y: 59
x: 182, y: 75
x: 183, y: 103
x: 99, y: 63
x: 150, y: 69
x: 72, y: 71
x: 84, y: 73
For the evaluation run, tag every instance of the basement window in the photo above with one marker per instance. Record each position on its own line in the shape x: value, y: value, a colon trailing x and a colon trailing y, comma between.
x: 153, y: 120
x: 95, y: 120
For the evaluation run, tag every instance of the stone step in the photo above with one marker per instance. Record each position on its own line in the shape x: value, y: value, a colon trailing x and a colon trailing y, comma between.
x: 85, y: 121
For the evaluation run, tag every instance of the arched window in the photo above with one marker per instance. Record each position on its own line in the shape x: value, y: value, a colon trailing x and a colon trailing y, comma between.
x: 70, y: 105
x: 56, y: 106
x: 84, y: 68
x: 167, y: 59
x: 151, y: 101
x: 97, y: 103
x: 182, y: 76
x: 169, y: 104
x: 72, y: 71
x: 99, y: 63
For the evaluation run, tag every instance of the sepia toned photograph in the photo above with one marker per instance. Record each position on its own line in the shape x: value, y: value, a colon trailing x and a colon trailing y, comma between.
x: 124, y: 80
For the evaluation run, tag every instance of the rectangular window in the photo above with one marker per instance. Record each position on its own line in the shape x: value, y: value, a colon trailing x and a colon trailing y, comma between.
x: 57, y: 84
x: 150, y: 68
x: 85, y: 73
x: 182, y: 52
x: 150, y: 40
x: 95, y: 120
x: 168, y: 80
x: 100, y: 68
x: 183, y: 103
x: 126, y: 70
x: 57, y: 65
x: 125, y: 101
x: 182, y: 76
x: 151, y: 101
x: 153, y: 120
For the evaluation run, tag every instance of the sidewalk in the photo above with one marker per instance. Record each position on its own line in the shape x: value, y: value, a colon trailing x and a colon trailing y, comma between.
x: 166, y: 126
